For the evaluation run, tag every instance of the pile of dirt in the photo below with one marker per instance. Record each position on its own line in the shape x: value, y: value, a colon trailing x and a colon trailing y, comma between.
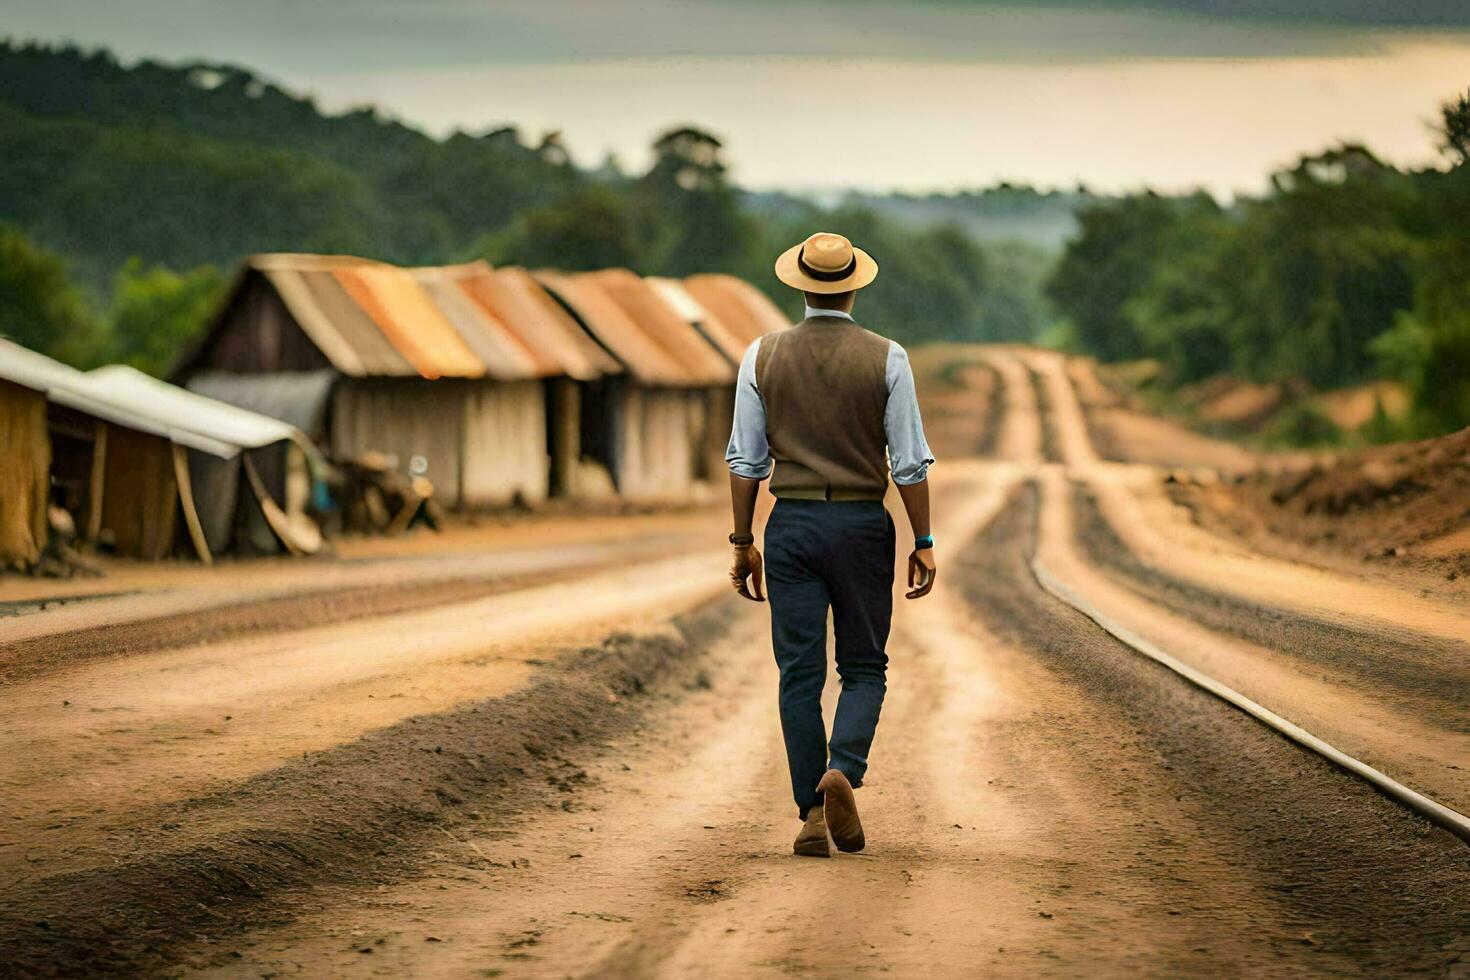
x: 1408, y: 502
x: 1123, y: 428
x: 1290, y: 412
x: 1352, y: 408
x: 1235, y: 403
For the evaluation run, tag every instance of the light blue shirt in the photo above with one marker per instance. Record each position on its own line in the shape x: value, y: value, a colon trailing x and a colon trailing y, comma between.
x: 749, y: 453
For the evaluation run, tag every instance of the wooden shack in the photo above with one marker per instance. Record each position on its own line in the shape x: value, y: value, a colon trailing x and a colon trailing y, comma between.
x: 656, y: 419
x: 121, y: 451
x: 25, y: 465
x: 424, y: 368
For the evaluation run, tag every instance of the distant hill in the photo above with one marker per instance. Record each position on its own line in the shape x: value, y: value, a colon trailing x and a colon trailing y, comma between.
x: 1006, y: 214
x: 201, y: 163
x: 1045, y: 220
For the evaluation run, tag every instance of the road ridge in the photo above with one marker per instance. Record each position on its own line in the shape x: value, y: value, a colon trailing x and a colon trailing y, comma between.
x: 1452, y: 820
x: 240, y: 849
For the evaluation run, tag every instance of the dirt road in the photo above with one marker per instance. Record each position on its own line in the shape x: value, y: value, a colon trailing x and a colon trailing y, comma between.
x: 465, y: 783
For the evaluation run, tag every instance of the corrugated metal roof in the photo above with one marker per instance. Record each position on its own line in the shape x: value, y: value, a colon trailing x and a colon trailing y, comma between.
x: 371, y: 319
x: 374, y: 355
x: 129, y: 398
x: 739, y: 305
x: 552, y: 339
x: 493, y: 342
x: 544, y: 323
x: 702, y: 364
x: 710, y: 326
x: 643, y: 356
x: 315, y: 323
x: 556, y: 328
x: 333, y: 321
x: 422, y: 334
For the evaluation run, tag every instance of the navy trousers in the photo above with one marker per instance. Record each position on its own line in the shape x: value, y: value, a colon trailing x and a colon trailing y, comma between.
x: 829, y: 554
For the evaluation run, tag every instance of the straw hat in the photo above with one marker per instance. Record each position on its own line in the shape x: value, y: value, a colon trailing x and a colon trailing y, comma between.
x: 826, y: 263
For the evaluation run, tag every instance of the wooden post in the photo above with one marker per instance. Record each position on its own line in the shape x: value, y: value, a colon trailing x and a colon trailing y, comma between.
x: 97, y: 484
x: 566, y: 435
x: 186, y: 501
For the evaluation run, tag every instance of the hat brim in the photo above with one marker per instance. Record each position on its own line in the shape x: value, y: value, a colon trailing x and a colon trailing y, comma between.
x: 865, y: 270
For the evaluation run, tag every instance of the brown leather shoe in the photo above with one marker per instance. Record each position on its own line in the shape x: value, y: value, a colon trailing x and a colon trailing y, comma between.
x: 812, y: 841
x: 842, y: 815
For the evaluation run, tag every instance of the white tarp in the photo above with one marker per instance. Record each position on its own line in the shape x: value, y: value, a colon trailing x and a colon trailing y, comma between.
x: 128, y: 397
x: 189, y: 416
x: 31, y: 370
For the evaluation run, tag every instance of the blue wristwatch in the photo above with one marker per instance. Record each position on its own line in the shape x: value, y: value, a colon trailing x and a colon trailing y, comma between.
x: 927, y: 541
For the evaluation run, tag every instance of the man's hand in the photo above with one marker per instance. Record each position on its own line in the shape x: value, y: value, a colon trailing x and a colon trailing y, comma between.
x: 748, y: 564
x: 921, y: 560
x: 921, y: 573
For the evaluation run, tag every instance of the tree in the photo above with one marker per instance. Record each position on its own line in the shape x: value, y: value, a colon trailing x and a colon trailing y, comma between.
x: 1429, y: 346
x: 1014, y: 308
x: 1455, y: 129
x: 689, y: 219
x: 1185, y: 313
x: 1329, y: 267
x: 1115, y: 255
x: 39, y: 307
x: 588, y: 229
x: 156, y: 313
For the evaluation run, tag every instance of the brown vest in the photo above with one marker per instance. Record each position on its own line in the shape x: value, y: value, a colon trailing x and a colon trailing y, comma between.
x: 825, y: 388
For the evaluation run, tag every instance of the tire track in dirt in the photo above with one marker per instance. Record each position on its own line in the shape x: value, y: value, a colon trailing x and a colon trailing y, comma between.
x: 662, y: 854
x: 140, y: 592
x: 219, y: 864
x: 1125, y: 434
x: 39, y: 655
x: 1062, y: 412
x: 1130, y: 499
x: 85, y: 746
x: 1403, y: 744
x: 1050, y: 445
x: 1312, y: 836
x: 86, y: 627
x: 1400, y: 742
x: 1145, y: 521
x: 995, y: 415
x: 1094, y: 397
x: 1019, y: 433
x: 1426, y: 675
x: 1001, y: 839
x: 963, y: 398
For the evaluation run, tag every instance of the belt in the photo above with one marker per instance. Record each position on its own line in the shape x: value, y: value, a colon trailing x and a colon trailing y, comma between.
x: 827, y: 493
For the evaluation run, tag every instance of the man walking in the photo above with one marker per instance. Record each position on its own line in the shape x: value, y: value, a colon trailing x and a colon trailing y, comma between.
x: 832, y: 408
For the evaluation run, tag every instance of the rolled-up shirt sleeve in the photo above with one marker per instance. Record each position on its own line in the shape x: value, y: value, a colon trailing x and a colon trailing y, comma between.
x: 749, y: 454
x: 908, y: 452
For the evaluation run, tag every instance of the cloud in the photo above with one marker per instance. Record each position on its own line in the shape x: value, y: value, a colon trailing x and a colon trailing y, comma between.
x: 1381, y: 13
x: 1427, y: 13
x: 289, y: 38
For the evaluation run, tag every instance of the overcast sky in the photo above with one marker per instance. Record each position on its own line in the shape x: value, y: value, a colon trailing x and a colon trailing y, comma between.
x: 824, y: 94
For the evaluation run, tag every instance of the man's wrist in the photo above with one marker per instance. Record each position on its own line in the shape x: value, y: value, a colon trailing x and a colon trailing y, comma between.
x: 744, y: 540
